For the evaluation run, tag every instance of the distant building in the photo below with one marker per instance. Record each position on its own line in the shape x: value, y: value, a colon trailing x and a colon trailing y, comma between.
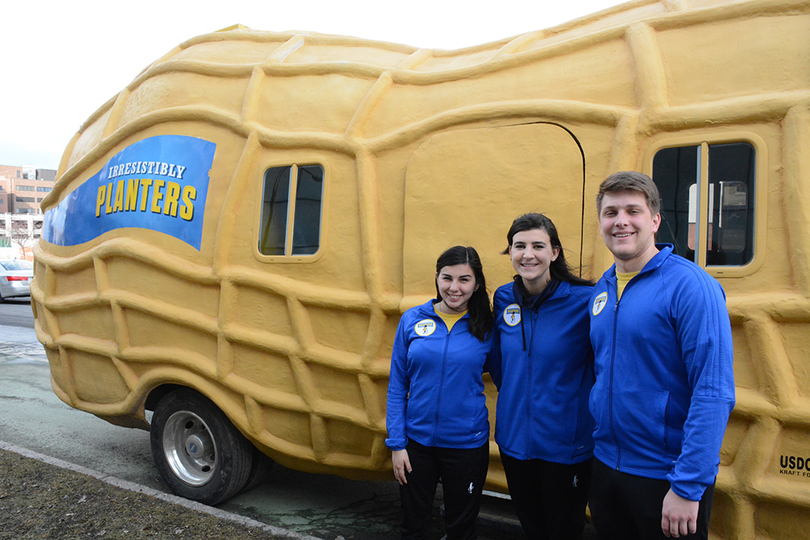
x: 23, y: 188
x: 18, y: 234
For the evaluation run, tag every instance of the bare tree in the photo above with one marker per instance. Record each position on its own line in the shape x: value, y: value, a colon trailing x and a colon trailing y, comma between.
x: 20, y: 235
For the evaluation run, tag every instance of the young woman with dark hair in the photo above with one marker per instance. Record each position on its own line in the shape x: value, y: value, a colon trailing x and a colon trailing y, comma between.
x: 437, y: 417
x: 542, y: 364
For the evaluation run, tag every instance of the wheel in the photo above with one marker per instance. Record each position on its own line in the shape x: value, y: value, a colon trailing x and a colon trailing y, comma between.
x: 198, y: 452
x: 260, y: 471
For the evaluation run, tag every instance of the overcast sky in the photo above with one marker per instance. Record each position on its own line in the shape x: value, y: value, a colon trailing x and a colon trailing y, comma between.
x: 62, y: 60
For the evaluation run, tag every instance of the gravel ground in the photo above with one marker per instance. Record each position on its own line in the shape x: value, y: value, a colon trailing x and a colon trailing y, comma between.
x: 40, y: 500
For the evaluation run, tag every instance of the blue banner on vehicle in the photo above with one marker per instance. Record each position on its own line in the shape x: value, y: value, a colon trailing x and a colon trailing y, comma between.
x: 159, y: 183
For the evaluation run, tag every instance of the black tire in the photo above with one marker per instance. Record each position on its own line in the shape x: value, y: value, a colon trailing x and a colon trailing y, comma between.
x: 260, y: 472
x: 198, y: 452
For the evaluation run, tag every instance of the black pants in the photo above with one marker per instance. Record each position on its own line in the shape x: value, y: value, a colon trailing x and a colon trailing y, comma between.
x: 462, y: 472
x: 627, y: 507
x: 549, y: 498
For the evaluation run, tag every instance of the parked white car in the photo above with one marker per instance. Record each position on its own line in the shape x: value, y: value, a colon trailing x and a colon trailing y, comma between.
x: 15, y: 278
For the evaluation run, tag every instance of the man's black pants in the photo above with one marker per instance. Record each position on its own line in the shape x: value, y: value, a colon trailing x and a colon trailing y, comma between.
x: 627, y: 507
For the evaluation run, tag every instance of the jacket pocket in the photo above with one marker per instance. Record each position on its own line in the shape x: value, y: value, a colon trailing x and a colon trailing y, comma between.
x: 583, y: 433
x: 599, y: 405
x: 640, y: 419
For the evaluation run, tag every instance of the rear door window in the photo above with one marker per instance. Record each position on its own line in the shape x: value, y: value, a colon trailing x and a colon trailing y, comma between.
x: 719, y: 209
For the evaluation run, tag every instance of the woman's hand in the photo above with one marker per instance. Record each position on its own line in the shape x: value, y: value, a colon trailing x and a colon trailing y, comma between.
x: 401, y: 465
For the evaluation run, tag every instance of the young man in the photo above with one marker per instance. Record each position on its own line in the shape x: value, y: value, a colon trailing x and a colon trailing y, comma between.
x: 664, y: 381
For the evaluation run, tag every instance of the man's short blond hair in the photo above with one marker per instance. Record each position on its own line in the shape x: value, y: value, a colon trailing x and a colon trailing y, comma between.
x: 630, y: 181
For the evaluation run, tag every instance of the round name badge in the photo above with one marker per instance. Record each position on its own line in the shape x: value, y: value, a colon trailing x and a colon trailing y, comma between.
x: 599, y: 303
x: 511, y: 314
x: 425, y: 327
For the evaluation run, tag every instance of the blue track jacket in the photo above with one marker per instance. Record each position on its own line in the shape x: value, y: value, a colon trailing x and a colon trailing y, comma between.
x: 664, y: 378
x: 542, y: 410
x: 436, y: 391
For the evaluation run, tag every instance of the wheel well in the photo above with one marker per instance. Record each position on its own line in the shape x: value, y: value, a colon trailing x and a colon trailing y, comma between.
x: 159, y: 393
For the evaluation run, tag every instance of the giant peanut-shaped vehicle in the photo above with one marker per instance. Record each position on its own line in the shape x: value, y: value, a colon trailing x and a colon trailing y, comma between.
x: 233, y: 237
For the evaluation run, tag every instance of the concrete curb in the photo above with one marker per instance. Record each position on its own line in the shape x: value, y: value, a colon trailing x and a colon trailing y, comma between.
x: 173, y: 499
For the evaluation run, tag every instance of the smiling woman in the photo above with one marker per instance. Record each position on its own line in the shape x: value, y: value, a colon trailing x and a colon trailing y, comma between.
x: 542, y: 366
x: 456, y: 285
x: 531, y: 254
x: 437, y: 418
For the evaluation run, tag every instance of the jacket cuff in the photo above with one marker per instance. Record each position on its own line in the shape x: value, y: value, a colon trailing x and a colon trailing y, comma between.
x: 396, y: 444
x: 691, y: 491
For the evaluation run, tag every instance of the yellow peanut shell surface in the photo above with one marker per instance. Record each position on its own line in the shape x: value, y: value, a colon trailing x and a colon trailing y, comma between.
x: 422, y: 150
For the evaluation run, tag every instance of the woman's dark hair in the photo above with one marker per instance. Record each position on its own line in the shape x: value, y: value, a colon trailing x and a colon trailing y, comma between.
x: 479, y: 307
x: 558, y: 269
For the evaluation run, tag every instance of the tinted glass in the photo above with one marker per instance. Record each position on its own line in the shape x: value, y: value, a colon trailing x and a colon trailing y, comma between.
x: 307, y: 225
x: 18, y: 265
x: 275, y: 202
x: 730, y: 231
x: 675, y: 170
x: 731, y: 222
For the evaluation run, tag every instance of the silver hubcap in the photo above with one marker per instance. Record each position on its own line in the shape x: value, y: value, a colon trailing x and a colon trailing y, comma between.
x: 189, y: 448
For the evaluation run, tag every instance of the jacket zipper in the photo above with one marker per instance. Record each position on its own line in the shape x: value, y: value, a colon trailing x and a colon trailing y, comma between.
x: 613, y: 360
x: 441, y: 384
x: 528, y: 383
x: 610, y: 389
x: 613, y: 354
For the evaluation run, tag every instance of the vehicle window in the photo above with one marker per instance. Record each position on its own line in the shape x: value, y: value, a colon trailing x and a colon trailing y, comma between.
x: 17, y: 265
x: 291, y: 210
x: 729, y: 215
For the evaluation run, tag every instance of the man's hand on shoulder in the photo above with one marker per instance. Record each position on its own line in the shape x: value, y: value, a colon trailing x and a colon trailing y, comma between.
x: 678, y: 515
